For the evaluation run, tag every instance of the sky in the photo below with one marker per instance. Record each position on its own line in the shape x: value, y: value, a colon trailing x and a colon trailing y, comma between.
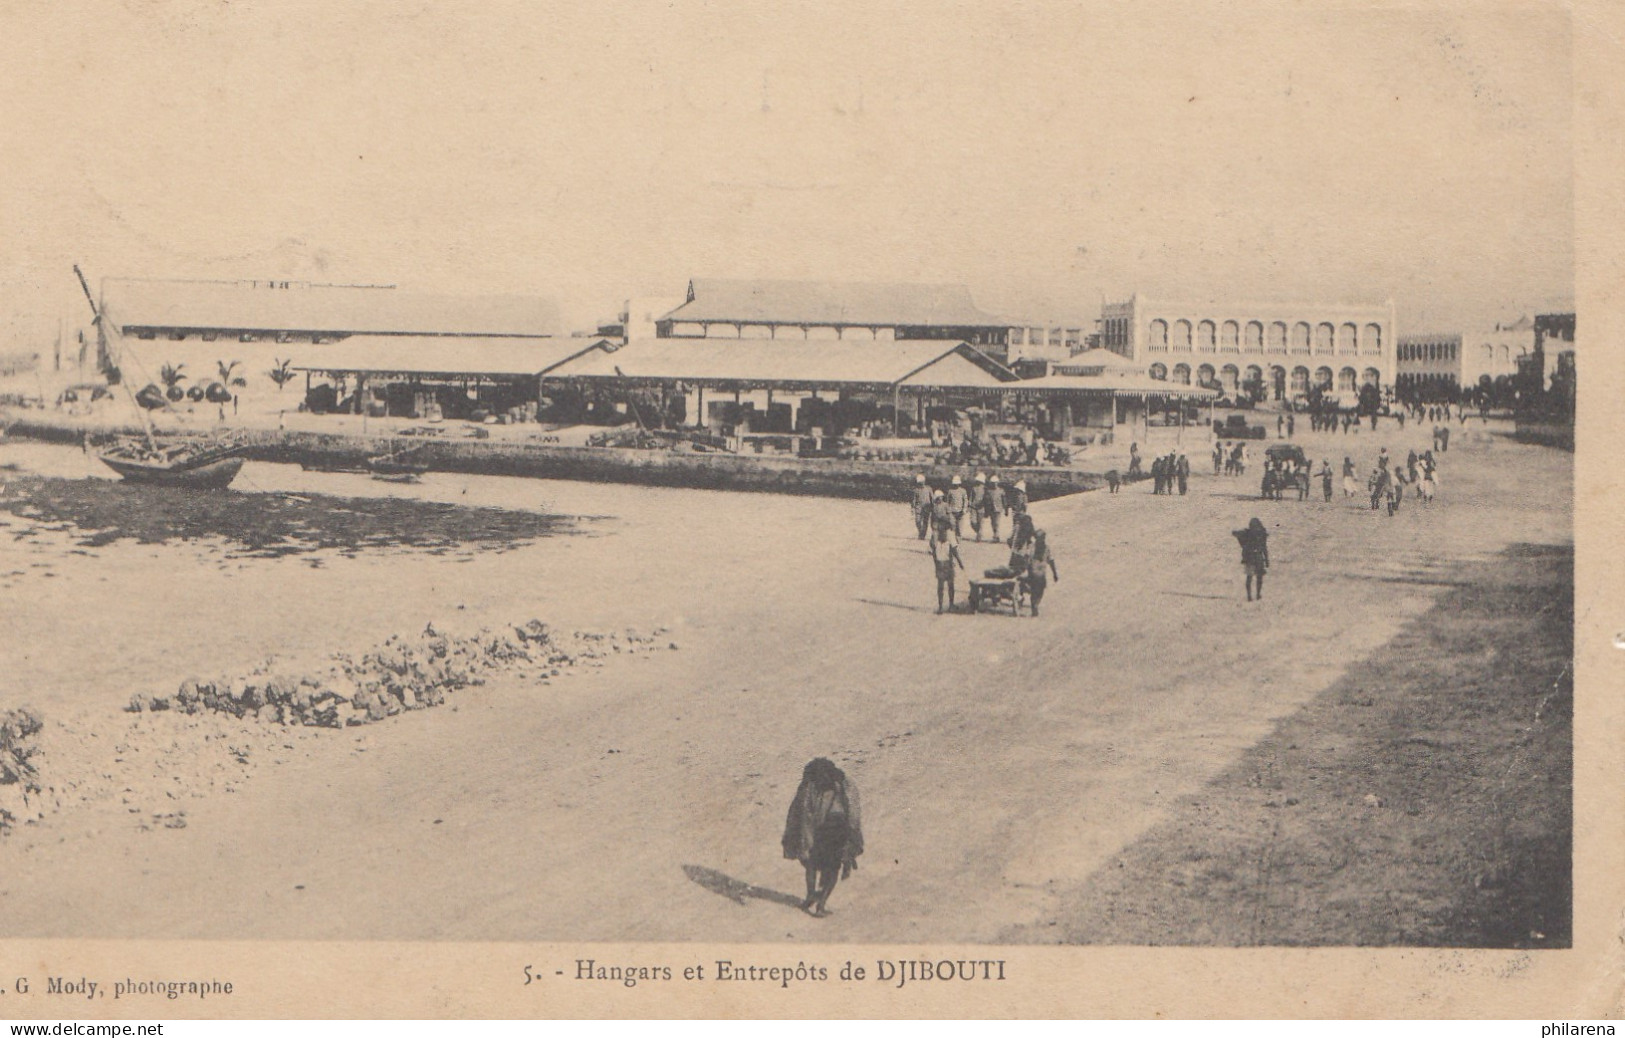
x: 1049, y: 155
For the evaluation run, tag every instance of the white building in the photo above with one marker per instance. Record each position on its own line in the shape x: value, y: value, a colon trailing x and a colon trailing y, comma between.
x: 1496, y: 352
x: 1049, y: 338
x: 1288, y: 346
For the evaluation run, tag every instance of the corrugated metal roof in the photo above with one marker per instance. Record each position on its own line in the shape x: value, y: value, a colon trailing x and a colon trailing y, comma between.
x: 832, y: 303
x: 240, y: 307
x: 793, y: 362
x: 450, y: 356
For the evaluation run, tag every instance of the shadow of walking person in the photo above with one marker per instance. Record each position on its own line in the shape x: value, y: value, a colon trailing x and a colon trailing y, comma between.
x: 736, y: 890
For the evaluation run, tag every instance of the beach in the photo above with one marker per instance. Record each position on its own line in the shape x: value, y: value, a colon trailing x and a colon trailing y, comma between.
x: 1008, y: 765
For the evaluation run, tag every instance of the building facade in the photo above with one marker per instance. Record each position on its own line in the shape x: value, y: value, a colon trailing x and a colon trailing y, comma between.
x: 1436, y: 365
x: 1548, y: 383
x: 295, y: 311
x: 1048, y: 339
x: 1286, y: 347
x: 1428, y: 367
x: 867, y: 312
x: 1553, y: 351
x: 1496, y: 352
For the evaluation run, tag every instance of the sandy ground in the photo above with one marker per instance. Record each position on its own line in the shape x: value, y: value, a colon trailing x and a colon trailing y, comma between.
x: 1002, y: 761
x: 1424, y: 798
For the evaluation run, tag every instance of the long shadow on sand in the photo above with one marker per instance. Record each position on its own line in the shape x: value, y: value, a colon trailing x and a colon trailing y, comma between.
x: 737, y: 891
x: 271, y: 525
x: 893, y: 605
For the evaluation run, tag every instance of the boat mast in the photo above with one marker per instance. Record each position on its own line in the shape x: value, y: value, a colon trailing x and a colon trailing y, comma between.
x: 106, y: 358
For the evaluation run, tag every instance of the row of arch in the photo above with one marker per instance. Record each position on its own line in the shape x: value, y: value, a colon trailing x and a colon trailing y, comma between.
x: 1445, y: 350
x: 1230, y: 377
x: 1505, y: 353
x: 1207, y: 336
x: 1432, y: 351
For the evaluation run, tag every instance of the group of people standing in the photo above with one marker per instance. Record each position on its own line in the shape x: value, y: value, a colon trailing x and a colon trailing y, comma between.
x: 987, y: 501
x: 1387, y: 483
x: 1170, y: 470
x: 1440, y: 412
x: 1231, y: 458
x: 939, y: 515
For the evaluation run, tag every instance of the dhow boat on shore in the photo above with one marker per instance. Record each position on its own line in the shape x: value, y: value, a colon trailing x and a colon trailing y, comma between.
x: 188, y: 463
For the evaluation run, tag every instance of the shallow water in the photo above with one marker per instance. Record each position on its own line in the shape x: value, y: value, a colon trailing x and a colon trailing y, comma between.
x: 107, y: 590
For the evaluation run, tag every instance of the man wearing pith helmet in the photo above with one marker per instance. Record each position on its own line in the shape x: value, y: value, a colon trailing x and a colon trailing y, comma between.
x: 957, y: 500
x: 921, y: 505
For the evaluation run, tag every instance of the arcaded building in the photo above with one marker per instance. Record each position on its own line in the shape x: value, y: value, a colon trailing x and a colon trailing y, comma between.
x: 1428, y: 366
x: 1287, y: 346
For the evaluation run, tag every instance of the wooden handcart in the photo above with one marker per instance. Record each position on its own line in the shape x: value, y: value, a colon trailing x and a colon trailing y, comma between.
x: 994, y: 593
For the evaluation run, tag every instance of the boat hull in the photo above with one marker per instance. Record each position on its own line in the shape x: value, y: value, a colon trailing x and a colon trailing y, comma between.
x: 211, y: 475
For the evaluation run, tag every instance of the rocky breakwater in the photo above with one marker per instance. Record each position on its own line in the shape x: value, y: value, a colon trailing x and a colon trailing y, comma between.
x: 211, y: 735
x: 401, y: 674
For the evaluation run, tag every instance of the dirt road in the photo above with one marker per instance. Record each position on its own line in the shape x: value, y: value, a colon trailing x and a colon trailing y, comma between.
x: 1002, y: 761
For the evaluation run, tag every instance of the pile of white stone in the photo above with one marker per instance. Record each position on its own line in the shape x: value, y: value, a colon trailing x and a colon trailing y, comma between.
x: 404, y: 673
x: 19, y: 774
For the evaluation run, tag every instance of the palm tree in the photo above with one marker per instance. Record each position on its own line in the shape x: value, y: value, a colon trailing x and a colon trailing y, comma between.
x: 282, y: 373
x: 228, y: 373
x: 172, y: 375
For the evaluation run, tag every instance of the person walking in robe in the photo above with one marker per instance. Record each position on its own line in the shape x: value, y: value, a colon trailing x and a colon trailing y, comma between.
x: 1350, y: 487
x: 823, y: 830
x: 1218, y: 456
x: 1255, y: 556
x: 1378, y: 485
x: 1159, y: 475
x: 921, y: 505
x: 1182, y: 473
x: 1030, y: 557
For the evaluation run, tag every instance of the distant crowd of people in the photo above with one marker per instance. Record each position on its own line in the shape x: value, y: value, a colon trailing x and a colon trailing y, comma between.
x: 1387, y: 484
x: 1028, y: 449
